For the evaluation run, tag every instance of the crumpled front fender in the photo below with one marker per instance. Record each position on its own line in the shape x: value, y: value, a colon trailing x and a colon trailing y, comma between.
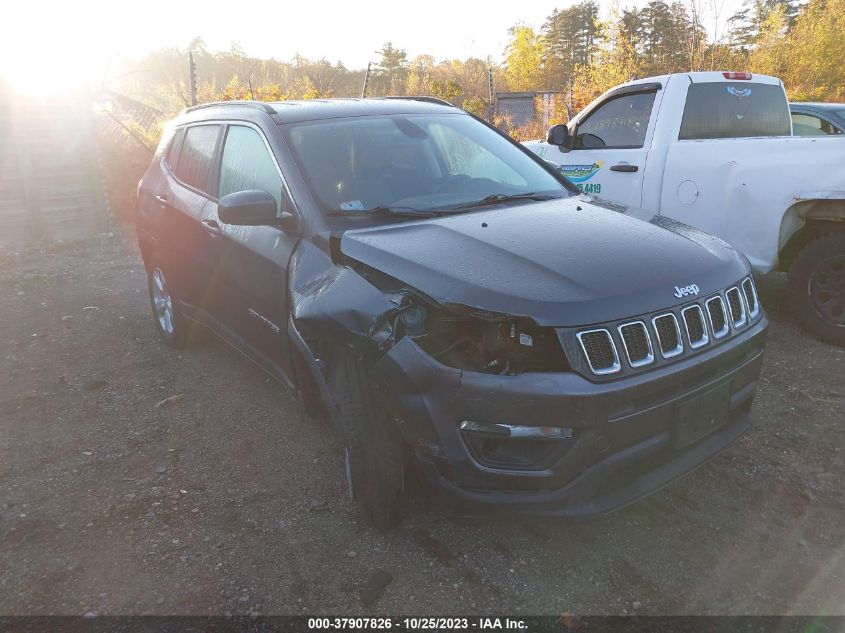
x: 333, y: 302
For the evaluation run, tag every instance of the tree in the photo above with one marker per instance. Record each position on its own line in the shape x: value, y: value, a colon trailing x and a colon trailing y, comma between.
x: 815, y: 47
x: 524, y: 60
x: 615, y: 61
x: 746, y: 25
x: 425, y: 77
x: 569, y: 37
x: 770, y: 53
x: 392, y: 70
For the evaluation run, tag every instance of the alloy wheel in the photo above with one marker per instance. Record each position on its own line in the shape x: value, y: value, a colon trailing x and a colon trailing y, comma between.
x: 162, y: 301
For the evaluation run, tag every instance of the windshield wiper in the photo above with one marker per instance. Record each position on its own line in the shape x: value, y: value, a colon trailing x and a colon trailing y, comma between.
x: 497, y: 198
x: 408, y: 212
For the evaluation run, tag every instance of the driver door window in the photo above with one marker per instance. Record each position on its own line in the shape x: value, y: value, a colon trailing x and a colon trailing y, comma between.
x: 246, y: 164
x: 620, y: 123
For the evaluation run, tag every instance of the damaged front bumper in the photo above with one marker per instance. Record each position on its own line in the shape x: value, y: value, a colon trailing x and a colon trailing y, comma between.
x: 619, y: 440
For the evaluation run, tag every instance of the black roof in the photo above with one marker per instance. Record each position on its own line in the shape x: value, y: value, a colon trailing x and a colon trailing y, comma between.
x: 314, y: 109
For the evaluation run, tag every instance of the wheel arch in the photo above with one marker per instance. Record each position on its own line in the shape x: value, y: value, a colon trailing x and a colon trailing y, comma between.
x: 805, y: 221
x: 147, y: 247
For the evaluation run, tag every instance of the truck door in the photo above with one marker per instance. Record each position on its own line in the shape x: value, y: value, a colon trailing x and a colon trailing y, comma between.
x: 610, y: 145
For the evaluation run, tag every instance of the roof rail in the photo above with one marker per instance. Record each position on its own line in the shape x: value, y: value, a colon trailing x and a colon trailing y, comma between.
x: 425, y: 99
x: 259, y: 105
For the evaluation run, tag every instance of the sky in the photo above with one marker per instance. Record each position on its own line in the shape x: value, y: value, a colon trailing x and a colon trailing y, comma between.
x: 66, y: 41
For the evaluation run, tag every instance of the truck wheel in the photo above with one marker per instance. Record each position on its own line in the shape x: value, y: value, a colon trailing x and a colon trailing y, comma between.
x: 817, y: 287
x: 170, y: 324
x: 375, y: 451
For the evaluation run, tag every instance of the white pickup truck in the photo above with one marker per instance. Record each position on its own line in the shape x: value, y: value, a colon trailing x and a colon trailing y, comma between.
x: 714, y: 150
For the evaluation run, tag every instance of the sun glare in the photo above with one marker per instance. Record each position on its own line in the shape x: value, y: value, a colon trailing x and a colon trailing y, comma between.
x: 41, y: 73
x: 57, y: 56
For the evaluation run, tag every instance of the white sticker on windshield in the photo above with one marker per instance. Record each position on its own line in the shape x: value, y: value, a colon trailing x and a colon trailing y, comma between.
x: 352, y: 205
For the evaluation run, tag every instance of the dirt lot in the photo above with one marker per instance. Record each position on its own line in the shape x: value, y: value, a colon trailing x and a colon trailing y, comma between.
x: 229, y: 500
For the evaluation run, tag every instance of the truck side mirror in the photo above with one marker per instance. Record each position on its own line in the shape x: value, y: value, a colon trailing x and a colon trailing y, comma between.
x: 559, y: 135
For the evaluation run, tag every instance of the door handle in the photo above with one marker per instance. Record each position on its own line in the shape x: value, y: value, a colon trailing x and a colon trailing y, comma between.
x: 212, y: 227
x: 161, y: 198
x: 624, y: 167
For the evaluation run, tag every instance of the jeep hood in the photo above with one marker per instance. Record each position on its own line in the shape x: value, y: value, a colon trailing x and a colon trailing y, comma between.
x: 563, y: 262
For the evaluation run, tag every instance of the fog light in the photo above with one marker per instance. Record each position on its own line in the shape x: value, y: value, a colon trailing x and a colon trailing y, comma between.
x: 518, y: 431
x: 514, y: 446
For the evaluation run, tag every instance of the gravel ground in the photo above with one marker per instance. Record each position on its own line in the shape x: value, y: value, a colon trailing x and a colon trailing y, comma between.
x: 227, y: 499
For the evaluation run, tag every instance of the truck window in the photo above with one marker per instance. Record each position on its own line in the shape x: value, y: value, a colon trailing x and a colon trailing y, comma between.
x: 734, y: 110
x: 620, y: 123
x: 809, y: 125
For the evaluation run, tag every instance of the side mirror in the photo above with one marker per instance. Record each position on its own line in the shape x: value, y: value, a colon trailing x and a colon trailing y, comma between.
x: 558, y: 135
x: 252, y: 208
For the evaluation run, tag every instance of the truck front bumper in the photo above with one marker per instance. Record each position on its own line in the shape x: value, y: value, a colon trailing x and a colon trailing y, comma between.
x: 627, y: 438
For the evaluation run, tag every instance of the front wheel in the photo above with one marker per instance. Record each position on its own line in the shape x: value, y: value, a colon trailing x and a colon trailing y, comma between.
x: 375, y: 451
x: 817, y: 287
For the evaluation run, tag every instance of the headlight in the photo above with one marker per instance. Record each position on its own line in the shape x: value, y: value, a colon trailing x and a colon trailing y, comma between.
x: 462, y: 337
x: 484, y: 342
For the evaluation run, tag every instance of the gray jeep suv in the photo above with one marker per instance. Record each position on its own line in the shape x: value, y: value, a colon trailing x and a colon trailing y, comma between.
x: 451, y: 302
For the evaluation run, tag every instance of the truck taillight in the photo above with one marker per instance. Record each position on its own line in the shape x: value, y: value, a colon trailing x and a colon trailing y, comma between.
x: 737, y: 76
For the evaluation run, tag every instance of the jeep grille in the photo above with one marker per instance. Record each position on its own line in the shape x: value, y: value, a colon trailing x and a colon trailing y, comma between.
x: 632, y: 345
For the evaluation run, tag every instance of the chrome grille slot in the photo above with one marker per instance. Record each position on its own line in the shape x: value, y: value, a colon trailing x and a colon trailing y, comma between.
x: 694, y: 323
x: 737, y: 307
x: 717, y: 316
x: 600, y: 351
x: 668, y: 335
x: 637, y: 343
x: 751, y: 300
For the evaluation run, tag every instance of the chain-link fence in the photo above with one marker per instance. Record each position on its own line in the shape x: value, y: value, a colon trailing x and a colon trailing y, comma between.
x: 128, y: 132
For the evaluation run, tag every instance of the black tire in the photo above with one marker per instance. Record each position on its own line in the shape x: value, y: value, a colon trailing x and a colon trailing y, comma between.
x: 176, y: 335
x: 817, y: 287
x: 375, y: 451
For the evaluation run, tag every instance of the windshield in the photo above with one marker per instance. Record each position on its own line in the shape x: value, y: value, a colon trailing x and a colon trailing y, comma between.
x: 412, y: 163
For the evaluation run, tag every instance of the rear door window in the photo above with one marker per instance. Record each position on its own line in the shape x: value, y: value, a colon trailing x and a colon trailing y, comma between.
x: 195, y: 157
x: 735, y: 110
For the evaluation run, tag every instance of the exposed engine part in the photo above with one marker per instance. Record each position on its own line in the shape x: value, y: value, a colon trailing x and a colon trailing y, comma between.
x: 506, y: 346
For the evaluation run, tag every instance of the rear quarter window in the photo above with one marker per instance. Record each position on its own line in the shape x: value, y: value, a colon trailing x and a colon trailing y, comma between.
x: 735, y: 110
